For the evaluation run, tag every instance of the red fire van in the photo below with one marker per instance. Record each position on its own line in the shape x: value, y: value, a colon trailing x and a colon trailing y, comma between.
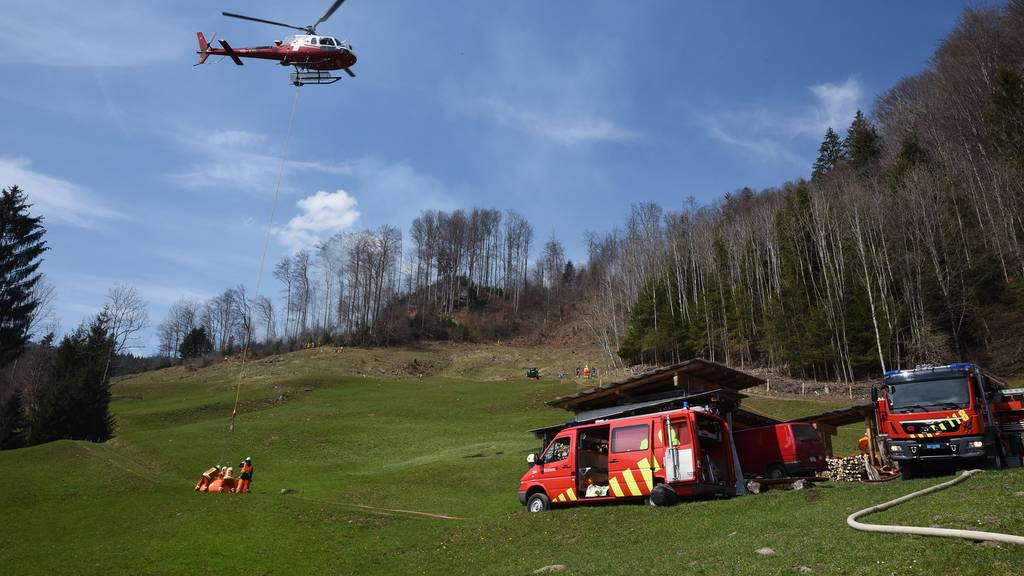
x: 655, y: 457
x: 790, y: 449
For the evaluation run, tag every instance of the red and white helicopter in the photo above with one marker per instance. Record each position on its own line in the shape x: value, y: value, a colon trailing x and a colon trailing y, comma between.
x: 313, y: 56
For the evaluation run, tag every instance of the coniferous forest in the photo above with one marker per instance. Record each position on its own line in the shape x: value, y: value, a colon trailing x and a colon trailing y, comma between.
x: 905, y: 246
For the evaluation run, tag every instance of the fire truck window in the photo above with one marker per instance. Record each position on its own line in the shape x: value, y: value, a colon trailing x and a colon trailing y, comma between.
x: 558, y: 451
x: 680, y: 433
x: 630, y: 438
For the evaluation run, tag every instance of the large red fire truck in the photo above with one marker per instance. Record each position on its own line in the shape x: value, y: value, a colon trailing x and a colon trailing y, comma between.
x: 657, y: 457
x: 955, y: 413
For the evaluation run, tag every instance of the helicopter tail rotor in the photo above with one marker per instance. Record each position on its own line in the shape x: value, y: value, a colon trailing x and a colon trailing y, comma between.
x: 204, y: 47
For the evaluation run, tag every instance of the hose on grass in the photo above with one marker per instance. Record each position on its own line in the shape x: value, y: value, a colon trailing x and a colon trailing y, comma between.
x: 924, y: 531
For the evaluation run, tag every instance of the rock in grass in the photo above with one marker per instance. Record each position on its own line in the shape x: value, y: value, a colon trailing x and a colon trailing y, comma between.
x: 766, y: 551
x: 550, y: 569
x: 288, y: 491
x: 801, y: 484
x: 754, y: 487
x: 804, y: 570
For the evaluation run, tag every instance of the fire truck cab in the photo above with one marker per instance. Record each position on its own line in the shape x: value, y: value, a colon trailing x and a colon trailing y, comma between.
x: 957, y: 412
x: 655, y: 457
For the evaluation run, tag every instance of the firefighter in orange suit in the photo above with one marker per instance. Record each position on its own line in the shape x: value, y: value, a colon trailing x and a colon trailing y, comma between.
x: 245, y: 479
x: 207, y: 478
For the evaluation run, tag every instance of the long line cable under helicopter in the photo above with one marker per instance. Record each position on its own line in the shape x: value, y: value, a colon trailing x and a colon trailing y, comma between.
x: 259, y: 278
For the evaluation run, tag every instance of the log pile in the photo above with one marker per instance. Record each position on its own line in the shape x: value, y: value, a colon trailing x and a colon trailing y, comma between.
x: 849, y: 469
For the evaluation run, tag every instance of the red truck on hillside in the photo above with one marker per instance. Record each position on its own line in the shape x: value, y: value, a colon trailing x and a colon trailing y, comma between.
x: 957, y: 413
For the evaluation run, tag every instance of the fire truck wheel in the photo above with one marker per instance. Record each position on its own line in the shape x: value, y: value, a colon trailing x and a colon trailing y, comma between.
x: 775, y: 472
x: 538, y: 503
x: 906, y: 470
x: 663, y: 495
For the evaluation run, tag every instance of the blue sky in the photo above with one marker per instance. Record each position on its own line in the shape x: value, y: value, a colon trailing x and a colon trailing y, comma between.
x: 155, y: 173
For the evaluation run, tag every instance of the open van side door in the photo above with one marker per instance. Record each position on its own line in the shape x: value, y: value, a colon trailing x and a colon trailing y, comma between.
x: 679, y: 450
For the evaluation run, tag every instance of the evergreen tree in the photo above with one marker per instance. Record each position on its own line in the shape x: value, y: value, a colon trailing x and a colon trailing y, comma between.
x: 13, y: 426
x: 195, y: 344
x: 1007, y: 114
x: 863, y: 145
x: 830, y: 155
x: 76, y: 402
x: 569, y: 275
x: 21, y: 248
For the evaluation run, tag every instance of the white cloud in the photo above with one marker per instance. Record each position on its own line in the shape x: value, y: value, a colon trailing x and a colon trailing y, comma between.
x: 51, y: 197
x: 320, y: 216
x: 108, y: 33
x: 836, y: 105
x: 564, y: 130
x: 768, y: 135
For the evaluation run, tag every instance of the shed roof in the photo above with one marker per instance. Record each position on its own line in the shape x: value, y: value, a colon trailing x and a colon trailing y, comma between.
x: 840, y: 417
x: 692, y: 376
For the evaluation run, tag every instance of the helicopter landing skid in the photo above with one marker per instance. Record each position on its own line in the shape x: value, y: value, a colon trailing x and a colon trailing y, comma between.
x: 303, y: 77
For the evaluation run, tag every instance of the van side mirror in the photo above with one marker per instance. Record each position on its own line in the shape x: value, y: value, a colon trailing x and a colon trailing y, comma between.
x: 874, y: 394
x: 531, y: 459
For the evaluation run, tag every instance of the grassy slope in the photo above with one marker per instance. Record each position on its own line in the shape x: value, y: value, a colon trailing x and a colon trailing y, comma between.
x: 437, y: 444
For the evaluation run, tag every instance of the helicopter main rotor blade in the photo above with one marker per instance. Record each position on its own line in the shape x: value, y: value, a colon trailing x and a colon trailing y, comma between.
x: 240, y: 16
x: 327, y: 14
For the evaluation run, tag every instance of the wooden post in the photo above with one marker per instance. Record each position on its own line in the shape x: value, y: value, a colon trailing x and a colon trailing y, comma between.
x: 827, y: 431
x: 870, y: 431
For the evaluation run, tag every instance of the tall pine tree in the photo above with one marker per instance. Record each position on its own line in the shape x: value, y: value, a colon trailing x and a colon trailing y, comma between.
x: 863, y: 145
x: 830, y: 155
x: 21, y: 249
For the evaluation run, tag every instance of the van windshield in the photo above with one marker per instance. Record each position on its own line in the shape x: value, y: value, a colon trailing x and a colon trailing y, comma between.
x: 805, y: 433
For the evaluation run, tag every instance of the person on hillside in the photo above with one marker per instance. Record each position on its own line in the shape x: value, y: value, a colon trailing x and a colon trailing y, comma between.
x: 245, y: 479
x: 207, y: 477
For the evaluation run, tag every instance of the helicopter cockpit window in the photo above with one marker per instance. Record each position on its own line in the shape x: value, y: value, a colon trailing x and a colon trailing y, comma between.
x: 326, y: 42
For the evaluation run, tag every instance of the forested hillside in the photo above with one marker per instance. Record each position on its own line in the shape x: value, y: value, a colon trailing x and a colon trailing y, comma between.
x: 904, y: 246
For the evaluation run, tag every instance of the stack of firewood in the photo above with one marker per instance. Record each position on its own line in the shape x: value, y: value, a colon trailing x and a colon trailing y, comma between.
x: 849, y: 469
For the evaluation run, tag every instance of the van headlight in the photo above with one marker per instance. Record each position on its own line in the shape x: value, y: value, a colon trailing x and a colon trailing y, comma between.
x: 975, y: 444
x: 896, y: 448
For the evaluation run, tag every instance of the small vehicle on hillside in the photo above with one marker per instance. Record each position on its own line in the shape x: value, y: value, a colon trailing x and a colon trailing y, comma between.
x: 790, y: 449
x: 533, y: 374
x: 653, y: 457
x: 958, y: 414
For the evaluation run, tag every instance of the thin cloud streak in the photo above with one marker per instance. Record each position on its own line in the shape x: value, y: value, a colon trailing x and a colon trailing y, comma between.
x: 768, y: 136
x: 564, y: 130
x: 54, y: 197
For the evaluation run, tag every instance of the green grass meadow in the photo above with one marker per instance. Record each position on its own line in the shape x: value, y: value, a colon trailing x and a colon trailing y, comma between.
x: 365, y: 456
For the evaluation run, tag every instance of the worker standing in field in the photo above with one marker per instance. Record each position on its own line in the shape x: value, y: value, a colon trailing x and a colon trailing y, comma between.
x: 245, y: 479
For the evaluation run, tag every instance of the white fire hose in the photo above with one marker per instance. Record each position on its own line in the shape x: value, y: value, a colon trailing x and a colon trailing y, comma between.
x: 923, y: 531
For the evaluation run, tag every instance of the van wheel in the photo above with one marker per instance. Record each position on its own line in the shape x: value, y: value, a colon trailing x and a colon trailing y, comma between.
x: 663, y: 495
x: 538, y: 503
x: 775, y: 472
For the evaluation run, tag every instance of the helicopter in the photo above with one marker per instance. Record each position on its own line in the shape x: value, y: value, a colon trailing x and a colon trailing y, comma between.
x: 313, y: 56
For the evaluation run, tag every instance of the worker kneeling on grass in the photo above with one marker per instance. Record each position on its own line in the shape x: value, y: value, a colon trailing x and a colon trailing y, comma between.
x: 208, y: 477
x: 245, y: 479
